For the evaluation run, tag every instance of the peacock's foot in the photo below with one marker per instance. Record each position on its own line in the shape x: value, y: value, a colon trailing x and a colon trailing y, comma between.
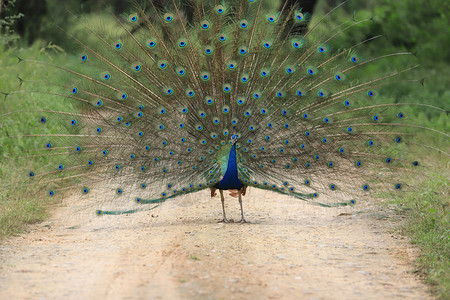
x: 243, y: 221
x: 224, y: 220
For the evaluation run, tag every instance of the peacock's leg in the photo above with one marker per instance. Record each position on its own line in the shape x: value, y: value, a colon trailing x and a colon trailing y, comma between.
x: 240, y: 203
x: 222, y: 198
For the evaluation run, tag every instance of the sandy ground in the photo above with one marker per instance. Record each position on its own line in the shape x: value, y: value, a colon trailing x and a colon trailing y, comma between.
x: 291, y: 250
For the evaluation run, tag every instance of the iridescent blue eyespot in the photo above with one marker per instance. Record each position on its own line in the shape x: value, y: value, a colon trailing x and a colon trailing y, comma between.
x: 267, y: 45
x: 354, y: 59
x: 205, y: 76
x: 151, y: 43
x: 73, y: 122
x: 337, y: 77
x: 222, y: 37
x: 365, y: 187
x: 118, y: 46
x: 358, y: 163
x: 398, y: 139
x: 74, y: 90
x: 376, y: 118
x: 243, y: 24
x: 400, y: 115
x: 388, y: 160
x: 347, y: 103
x: 85, y: 190
x: 42, y: 120
x: 208, y: 50
x: 299, y: 93
x: 311, y: 71
x: 83, y: 57
x: 99, y: 130
x: 205, y: 25
x: 243, y: 50
x: 398, y: 186
x: 31, y: 174
x: 168, y: 17
x: 51, y: 193
x: 349, y: 129
x: 137, y: 67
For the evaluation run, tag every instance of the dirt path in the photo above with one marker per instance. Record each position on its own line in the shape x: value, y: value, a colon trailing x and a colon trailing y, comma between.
x: 290, y: 251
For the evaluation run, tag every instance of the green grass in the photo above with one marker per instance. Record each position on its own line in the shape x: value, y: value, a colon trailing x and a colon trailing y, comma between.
x: 19, y: 205
x: 428, y: 226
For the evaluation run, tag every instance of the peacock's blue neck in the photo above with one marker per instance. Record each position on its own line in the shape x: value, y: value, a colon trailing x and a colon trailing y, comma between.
x: 231, y: 179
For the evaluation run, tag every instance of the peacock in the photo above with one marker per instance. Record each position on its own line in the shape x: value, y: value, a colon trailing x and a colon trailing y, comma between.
x: 223, y: 95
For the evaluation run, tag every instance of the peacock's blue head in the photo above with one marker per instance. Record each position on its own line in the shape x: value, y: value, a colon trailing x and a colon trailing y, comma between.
x: 234, y: 139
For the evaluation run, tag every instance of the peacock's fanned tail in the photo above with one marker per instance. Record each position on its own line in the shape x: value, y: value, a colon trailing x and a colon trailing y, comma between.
x: 151, y: 106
